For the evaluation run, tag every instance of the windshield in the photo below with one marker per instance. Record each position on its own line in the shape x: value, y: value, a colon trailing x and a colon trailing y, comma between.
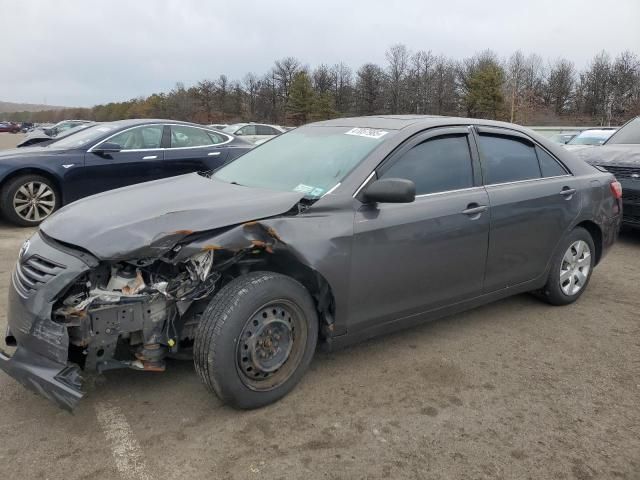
x: 82, y: 138
x: 628, y: 134
x: 309, y: 160
x: 591, y: 137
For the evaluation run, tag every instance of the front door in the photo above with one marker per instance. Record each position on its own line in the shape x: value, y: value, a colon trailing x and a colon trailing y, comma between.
x: 139, y: 160
x: 415, y: 257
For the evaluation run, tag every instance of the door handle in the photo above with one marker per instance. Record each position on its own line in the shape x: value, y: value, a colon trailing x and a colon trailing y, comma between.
x: 567, y: 192
x: 474, y: 209
x: 150, y: 157
x: 213, y: 154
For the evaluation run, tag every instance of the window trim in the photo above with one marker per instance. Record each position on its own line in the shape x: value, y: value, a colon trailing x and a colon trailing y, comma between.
x: 505, y: 132
x: 229, y: 139
x: 423, y: 136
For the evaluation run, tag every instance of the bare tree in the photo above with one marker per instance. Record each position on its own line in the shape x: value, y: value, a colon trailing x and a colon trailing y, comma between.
x: 559, y: 86
x: 397, y: 66
x: 369, y: 89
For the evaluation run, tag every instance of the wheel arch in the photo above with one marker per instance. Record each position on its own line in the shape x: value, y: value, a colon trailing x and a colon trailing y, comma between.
x: 596, y: 234
x: 282, y: 261
x: 34, y: 171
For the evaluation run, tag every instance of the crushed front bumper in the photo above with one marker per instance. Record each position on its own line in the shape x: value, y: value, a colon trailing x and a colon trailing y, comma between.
x: 62, y: 384
x: 40, y: 361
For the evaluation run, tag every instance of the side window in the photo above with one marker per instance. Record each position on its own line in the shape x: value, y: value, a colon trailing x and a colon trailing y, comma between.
x: 184, y: 136
x: 266, y: 130
x: 436, y: 165
x: 507, y: 159
x: 139, y: 137
x: 549, y: 165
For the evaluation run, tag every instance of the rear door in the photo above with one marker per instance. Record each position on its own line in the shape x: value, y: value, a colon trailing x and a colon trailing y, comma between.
x: 139, y: 160
x: 414, y: 257
x: 533, y: 199
x: 193, y: 149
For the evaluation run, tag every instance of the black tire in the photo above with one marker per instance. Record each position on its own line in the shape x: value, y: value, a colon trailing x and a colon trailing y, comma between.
x: 8, y: 194
x: 553, y: 292
x: 224, y: 333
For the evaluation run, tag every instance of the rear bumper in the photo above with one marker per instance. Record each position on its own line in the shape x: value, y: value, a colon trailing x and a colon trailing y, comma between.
x: 62, y: 384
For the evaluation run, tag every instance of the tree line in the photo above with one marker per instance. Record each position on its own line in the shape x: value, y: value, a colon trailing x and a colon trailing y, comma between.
x: 521, y: 88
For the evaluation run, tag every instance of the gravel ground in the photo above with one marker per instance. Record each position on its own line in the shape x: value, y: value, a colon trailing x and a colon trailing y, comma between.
x: 512, y: 390
x: 10, y: 140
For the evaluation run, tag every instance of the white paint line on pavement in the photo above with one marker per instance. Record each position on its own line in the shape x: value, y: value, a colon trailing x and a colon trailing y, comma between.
x: 126, y: 450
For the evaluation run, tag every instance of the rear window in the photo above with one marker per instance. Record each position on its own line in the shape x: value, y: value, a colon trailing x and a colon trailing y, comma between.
x: 550, y: 166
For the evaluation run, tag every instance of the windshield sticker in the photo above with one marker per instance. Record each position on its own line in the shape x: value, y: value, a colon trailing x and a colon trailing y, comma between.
x: 316, y: 192
x: 367, y: 132
x: 302, y: 188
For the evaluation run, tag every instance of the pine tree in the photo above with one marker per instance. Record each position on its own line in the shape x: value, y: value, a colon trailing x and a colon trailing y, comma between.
x: 301, y: 99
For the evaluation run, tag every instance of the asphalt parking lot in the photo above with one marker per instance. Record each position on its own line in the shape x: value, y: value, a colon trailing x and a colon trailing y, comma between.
x: 512, y: 390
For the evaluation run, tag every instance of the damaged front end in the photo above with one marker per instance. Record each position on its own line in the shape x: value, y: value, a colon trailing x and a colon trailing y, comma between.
x: 71, y: 314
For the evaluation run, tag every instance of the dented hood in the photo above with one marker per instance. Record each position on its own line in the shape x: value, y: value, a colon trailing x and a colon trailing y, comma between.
x: 147, y: 219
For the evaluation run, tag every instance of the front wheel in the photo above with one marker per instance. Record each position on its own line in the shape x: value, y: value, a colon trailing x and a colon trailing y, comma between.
x: 571, y: 269
x: 256, y: 339
x: 28, y: 199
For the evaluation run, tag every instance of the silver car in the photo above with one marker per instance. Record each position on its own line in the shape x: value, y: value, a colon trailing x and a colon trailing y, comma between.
x: 254, y: 132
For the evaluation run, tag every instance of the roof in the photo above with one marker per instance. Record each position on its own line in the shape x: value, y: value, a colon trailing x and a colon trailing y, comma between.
x: 398, y: 122
x: 141, y: 121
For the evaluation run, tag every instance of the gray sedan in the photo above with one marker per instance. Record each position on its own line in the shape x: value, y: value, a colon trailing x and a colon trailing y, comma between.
x: 332, y: 233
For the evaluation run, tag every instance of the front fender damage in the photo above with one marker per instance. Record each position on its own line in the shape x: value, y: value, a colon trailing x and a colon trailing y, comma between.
x: 136, y: 313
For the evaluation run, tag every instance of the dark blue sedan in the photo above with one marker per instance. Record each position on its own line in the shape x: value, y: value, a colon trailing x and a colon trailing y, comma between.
x: 36, y: 181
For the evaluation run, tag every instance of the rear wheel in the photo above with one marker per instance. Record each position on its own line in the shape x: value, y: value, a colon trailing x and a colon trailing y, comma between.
x: 256, y: 339
x: 28, y: 199
x: 571, y: 269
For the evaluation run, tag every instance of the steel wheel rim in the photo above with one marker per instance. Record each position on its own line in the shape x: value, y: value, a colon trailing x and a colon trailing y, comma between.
x: 34, y: 201
x: 575, y: 267
x: 271, y: 345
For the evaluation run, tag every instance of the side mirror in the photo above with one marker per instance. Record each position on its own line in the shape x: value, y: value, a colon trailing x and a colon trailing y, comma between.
x: 390, y: 190
x: 107, y: 147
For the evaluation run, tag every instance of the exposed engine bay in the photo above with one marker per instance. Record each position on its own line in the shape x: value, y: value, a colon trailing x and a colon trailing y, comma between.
x: 132, y: 314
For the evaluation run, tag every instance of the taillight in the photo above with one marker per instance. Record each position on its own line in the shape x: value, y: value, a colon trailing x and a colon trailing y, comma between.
x: 616, y: 189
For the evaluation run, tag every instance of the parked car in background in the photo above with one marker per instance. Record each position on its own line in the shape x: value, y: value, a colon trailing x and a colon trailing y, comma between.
x: 335, y: 232
x: 590, y: 138
x: 218, y: 126
x: 63, y: 126
x: 620, y: 155
x: 9, y: 127
x: 26, y: 126
x: 36, y: 181
x: 40, y: 138
x: 254, y: 131
x: 563, y: 137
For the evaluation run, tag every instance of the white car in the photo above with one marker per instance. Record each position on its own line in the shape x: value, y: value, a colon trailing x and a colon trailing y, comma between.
x: 254, y: 132
x: 589, y: 138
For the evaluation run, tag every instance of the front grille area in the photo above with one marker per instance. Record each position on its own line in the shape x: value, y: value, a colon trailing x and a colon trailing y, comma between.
x: 631, y: 206
x: 623, y: 172
x: 33, y: 273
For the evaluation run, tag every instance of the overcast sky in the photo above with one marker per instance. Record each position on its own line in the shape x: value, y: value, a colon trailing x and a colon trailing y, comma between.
x: 80, y: 53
